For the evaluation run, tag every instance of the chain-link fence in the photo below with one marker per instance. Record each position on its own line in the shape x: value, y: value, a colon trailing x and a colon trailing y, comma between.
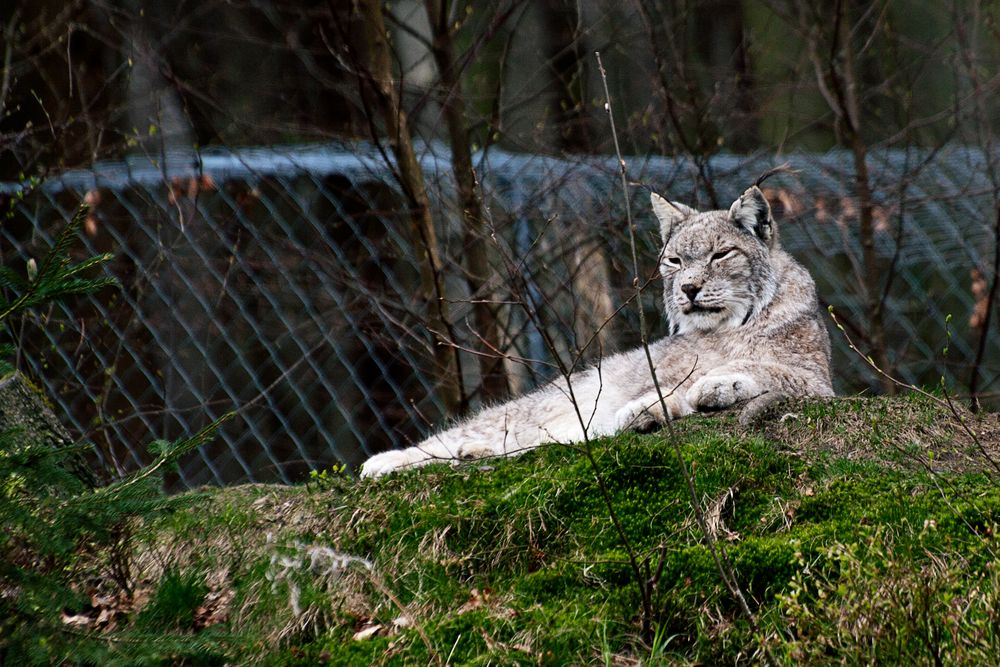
x: 282, y: 283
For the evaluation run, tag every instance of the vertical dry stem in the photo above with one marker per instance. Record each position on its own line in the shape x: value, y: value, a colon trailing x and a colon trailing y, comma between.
x: 719, y: 556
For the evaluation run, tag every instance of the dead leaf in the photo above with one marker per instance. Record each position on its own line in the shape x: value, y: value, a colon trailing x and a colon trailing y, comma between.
x: 981, y: 298
x: 786, y: 204
x: 90, y: 226
x: 713, y: 516
x: 188, y: 187
x: 881, y: 217
x: 76, y: 620
x: 476, y: 600
x: 214, y: 610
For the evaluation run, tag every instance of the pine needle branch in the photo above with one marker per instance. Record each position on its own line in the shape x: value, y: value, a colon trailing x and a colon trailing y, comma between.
x: 57, y: 277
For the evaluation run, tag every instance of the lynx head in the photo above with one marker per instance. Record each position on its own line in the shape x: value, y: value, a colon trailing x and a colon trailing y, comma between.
x: 717, y: 265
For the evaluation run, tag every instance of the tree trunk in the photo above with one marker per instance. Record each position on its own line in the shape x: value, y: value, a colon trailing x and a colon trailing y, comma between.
x: 412, y: 181
x: 851, y: 118
x: 837, y: 81
x: 477, y: 265
x: 23, y: 407
x: 866, y: 232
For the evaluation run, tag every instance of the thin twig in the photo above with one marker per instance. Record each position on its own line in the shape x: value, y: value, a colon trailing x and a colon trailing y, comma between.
x: 384, y: 590
x: 721, y: 560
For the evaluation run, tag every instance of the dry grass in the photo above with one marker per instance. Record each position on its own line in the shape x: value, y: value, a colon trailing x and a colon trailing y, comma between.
x: 908, y: 432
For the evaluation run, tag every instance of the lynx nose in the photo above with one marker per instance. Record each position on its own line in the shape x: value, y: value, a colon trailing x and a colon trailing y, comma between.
x: 691, y: 290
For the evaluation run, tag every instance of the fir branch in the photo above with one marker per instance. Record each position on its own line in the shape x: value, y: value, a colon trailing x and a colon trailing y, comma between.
x: 57, y: 277
x: 169, y: 453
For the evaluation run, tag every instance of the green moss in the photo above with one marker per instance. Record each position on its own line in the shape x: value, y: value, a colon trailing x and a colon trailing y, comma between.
x: 520, y: 561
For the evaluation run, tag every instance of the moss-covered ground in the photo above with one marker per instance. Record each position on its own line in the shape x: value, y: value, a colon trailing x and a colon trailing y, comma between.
x: 858, y: 530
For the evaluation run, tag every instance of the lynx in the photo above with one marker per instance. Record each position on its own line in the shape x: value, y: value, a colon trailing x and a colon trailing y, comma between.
x: 744, y: 326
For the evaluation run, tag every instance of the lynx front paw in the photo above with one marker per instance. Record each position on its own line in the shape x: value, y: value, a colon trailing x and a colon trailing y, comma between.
x: 386, y: 462
x: 714, y: 392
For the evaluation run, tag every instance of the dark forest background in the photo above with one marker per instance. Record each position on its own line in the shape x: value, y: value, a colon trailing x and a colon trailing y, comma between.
x: 886, y: 107
x: 86, y: 79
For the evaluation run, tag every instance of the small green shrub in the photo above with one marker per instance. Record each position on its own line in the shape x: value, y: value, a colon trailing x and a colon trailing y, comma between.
x: 66, y: 548
x: 175, y: 602
x: 863, y: 603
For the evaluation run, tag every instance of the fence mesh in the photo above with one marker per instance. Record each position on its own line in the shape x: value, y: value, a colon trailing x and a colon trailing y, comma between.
x: 282, y: 283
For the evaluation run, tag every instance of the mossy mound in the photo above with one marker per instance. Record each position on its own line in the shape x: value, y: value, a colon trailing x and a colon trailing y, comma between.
x: 847, y: 538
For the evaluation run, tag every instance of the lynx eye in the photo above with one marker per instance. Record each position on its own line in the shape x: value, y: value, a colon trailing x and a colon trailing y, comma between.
x: 722, y: 254
x: 674, y: 261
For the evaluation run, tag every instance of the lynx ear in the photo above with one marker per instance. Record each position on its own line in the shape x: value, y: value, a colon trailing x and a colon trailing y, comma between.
x: 669, y: 214
x: 752, y: 213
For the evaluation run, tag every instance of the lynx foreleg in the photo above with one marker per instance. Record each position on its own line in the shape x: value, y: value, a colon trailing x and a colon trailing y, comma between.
x: 740, y: 381
x: 429, y: 451
x: 485, y: 435
x: 722, y: 388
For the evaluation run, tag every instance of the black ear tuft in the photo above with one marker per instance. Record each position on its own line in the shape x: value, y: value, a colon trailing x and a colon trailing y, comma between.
x: 752, y: 213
